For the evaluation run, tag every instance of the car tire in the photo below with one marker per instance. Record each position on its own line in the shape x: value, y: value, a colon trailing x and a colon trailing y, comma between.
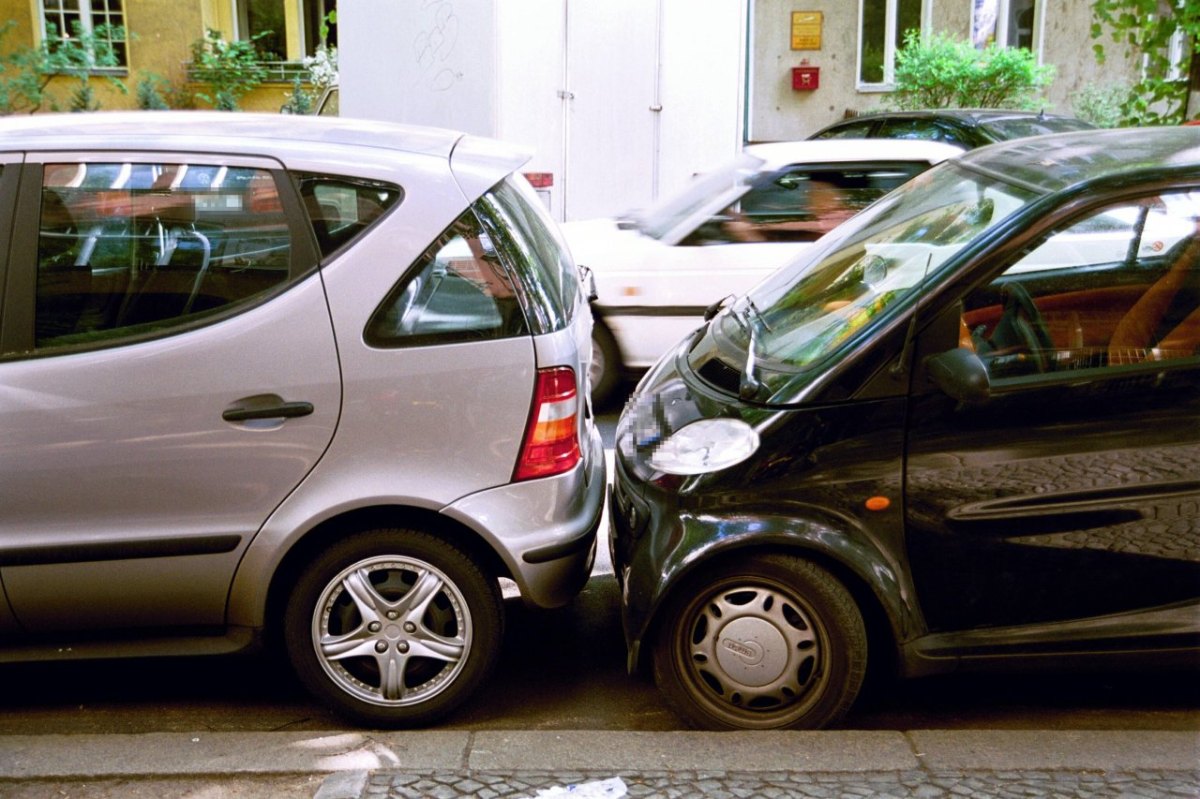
x: 605, y: 369
x: 393, y: 627
x: 766, y: 642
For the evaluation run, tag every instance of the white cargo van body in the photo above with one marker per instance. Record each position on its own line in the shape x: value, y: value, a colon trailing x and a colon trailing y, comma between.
x: 620, y: 100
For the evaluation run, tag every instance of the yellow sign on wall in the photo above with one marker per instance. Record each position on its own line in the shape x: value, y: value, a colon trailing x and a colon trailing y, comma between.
x: 806, y: 30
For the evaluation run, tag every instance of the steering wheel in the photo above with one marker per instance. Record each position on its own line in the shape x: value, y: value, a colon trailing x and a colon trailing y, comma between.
x: 1023, y: 322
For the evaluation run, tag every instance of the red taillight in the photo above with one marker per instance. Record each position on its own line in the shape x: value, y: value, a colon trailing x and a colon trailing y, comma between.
x: 551, y: 443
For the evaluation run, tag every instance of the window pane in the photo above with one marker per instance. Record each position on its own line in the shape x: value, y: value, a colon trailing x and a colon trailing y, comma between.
x: 126, y: 249
x: 529, y: 242
x: 459, y: 291
x: 61, y: 18
x: 1119, y: 287
x: 871, y: 40
x: 1020, y: 24
x: 908, y: 18
x: 265, y: 19
x: 342, y: 208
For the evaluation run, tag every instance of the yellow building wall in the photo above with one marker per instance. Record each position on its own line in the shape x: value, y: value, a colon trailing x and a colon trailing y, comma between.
x: 162, y: 35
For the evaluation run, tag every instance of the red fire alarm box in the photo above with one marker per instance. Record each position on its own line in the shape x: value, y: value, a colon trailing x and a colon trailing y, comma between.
x: 805, y: 79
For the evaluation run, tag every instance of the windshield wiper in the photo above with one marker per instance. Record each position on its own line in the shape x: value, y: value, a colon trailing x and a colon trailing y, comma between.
x: 749, y: 386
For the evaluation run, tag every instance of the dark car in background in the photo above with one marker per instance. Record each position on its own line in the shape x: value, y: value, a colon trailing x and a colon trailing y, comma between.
x: 960, y: 432
x: 967, y: 128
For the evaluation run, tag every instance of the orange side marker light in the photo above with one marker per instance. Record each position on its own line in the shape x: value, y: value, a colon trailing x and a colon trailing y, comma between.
x: 878, y: 503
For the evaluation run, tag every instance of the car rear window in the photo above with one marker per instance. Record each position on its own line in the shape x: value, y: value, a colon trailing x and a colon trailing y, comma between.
x: 531, y: 246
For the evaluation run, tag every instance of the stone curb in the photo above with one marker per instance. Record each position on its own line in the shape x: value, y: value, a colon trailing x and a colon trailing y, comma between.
x: 245, y: 753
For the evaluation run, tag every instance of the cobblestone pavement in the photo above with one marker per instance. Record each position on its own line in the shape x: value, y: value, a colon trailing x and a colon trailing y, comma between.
x: 920, y: 784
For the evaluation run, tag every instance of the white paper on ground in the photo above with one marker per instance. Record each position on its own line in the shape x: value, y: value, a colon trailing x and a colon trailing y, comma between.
x: 604, y: 789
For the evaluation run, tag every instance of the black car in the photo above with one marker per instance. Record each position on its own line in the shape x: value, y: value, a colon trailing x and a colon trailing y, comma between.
x: 966, y: 128
x: 961, y: 432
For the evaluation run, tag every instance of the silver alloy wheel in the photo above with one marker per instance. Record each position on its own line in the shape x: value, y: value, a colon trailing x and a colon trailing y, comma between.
x: 392, y: 631
x: 755, y: 649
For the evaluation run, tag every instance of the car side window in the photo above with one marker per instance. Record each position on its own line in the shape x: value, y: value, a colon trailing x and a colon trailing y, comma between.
x: 1118, y: 287
x: 853, y: 130
x: 132, y: 248
x: 802, y: 204
x: 341, y: 208
x: 458, y: 290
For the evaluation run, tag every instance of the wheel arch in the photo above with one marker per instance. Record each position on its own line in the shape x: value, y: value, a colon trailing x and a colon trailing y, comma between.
x: 602, y: 335
x: 321, y: 535
x: 886, y: 613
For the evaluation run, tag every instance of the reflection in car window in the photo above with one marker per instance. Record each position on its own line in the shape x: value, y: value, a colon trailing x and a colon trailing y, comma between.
x: 805, y: 312
x: 341, y: 208
x: 129, y: 248
x: 713, y: 190
x: 458, y: 291
x: 532, y: 247
x: 1119, y: 287
x: 802, y: 204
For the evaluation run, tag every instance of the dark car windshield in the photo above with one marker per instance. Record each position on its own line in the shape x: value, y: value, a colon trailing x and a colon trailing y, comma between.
x: 1019, y: 127
x: 791, y: 323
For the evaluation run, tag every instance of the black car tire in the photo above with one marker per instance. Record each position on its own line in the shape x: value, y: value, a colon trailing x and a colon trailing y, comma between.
x: 605, y: 368
x: 393, y: 602
x: 765, y: 642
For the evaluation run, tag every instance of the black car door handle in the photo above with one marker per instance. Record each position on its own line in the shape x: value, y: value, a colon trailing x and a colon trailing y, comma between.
x: 265, y: 406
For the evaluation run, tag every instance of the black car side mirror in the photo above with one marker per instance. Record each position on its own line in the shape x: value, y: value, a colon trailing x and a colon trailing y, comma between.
x: 960, y: 374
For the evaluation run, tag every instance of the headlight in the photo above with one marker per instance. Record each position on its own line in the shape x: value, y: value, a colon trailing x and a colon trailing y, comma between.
x: 708, y: 445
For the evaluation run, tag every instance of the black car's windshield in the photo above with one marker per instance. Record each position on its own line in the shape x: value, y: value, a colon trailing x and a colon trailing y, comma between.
x: 711, y: 191
x: 793, y: 321
x: 1020, y: 127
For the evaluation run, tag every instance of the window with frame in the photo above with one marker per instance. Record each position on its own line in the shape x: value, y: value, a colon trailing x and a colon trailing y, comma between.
x: 1009, y: 23
x: 266, y: 22
x: 340, y: 208
x: 128, y: 249
x: 459, y: 290
x: 98, y: 24
x: 1118, y: 287
x: 883, y: 24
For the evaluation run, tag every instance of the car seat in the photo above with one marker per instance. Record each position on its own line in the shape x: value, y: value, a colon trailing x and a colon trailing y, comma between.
x: 1165, y: 321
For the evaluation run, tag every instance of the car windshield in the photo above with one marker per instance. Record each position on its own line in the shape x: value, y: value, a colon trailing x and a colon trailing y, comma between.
x: 1020, y: 127
x: 792, y: 322
x: 712, y: 190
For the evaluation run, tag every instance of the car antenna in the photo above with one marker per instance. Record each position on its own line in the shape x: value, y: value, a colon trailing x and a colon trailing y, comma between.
x: 901, y: 365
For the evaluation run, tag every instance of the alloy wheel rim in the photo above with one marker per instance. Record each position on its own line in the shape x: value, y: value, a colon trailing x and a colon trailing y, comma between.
x: 392, y: 631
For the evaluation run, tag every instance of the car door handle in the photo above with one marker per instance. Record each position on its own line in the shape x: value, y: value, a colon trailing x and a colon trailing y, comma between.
x: 265, y: 406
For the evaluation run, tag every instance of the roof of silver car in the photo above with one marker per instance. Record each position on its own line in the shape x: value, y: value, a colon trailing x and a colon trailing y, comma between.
x: 232, y: 131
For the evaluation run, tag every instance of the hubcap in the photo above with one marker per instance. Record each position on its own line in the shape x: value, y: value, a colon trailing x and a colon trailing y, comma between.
x: 392, y: 631
x: 753, y: 649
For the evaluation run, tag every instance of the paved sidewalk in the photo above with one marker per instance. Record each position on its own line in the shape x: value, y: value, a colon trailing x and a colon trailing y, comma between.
x: 445, y: 764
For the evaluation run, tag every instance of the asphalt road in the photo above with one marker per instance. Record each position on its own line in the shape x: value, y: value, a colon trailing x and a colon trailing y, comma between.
x: 559, y: 670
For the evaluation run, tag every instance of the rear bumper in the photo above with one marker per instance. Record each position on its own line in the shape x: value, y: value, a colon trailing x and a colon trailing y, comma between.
x: 544, y: 530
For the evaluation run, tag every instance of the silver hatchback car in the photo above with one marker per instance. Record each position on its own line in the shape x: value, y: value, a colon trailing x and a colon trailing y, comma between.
x: 313, y: 381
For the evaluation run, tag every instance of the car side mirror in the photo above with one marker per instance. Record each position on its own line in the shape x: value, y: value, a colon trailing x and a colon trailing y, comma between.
x: 588, y: 278
x: 960, y: 374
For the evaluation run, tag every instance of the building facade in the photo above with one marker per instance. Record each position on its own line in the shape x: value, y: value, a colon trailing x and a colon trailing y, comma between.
x: 847, y: 50
x: 158, y: 36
